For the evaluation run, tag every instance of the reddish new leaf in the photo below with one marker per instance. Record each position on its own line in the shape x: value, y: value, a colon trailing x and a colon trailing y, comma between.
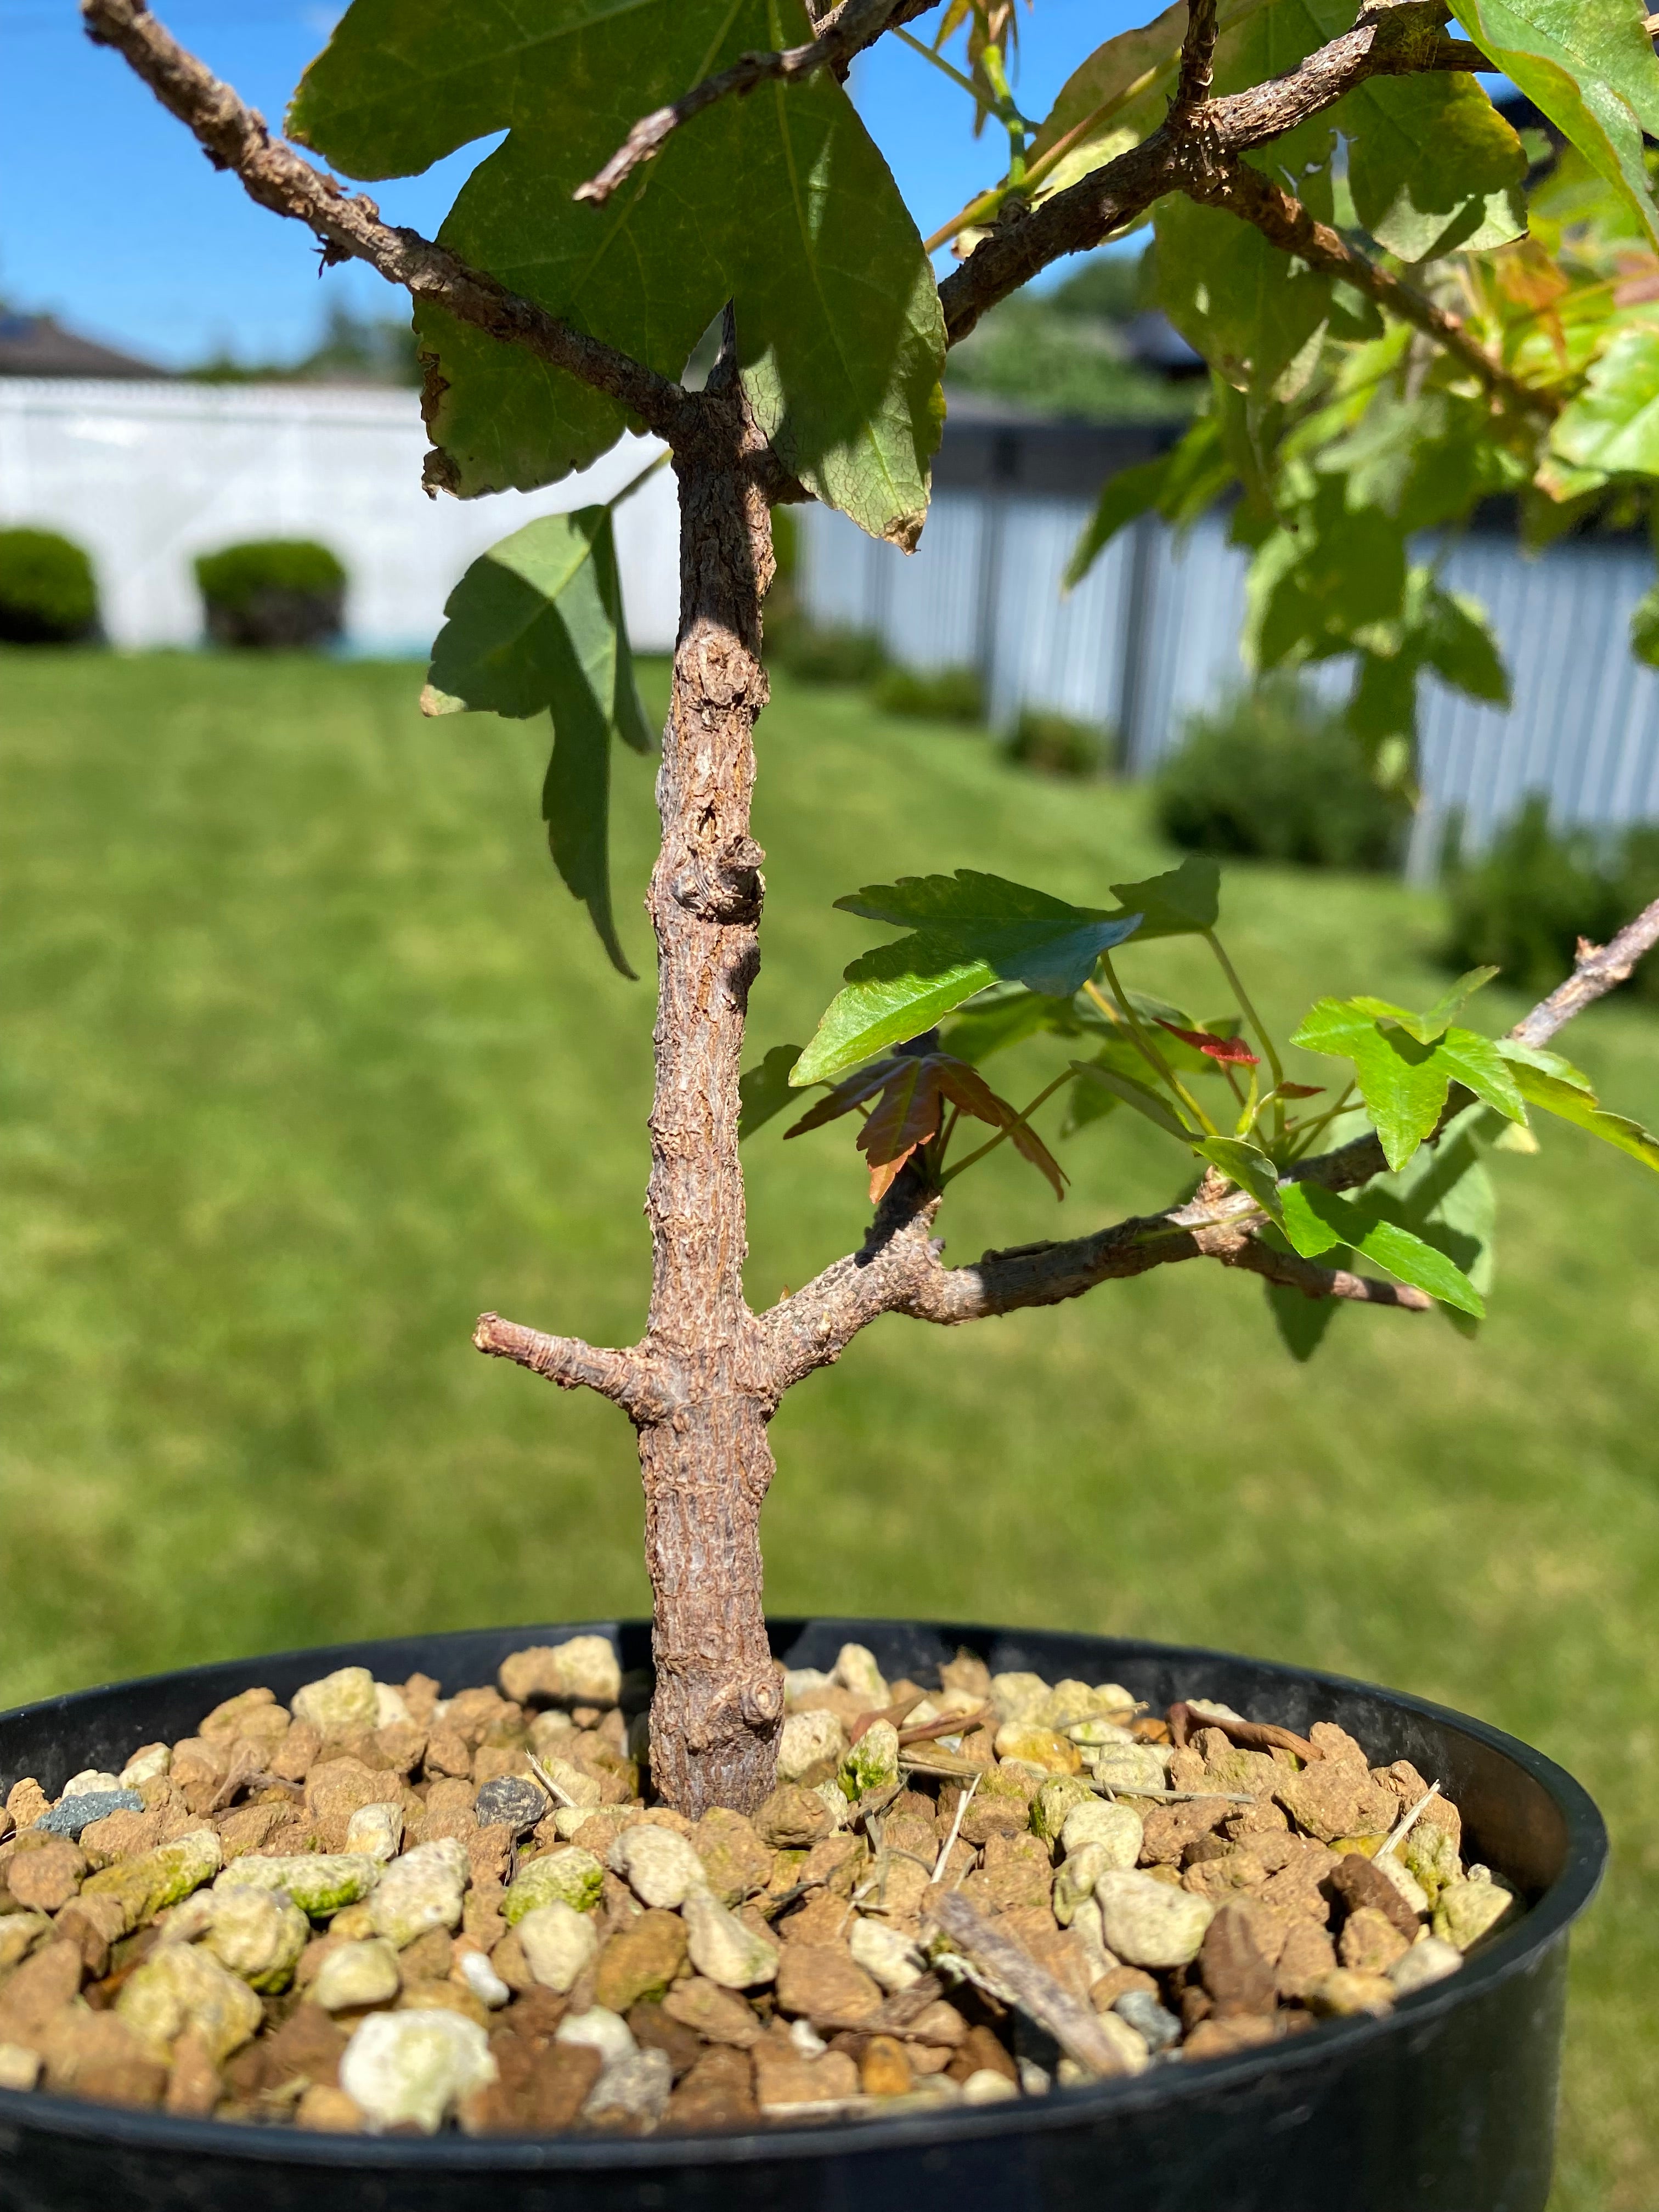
x: 1299, y: 1090
x: 844, y: 1098
x: 905, y: 1115
x: 969, y: 1091
x: 1231, y: 1052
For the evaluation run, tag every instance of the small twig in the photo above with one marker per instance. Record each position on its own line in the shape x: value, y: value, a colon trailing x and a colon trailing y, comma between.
x: 895, y: 1713
x: 625, y: 1377
x: 1403, y: 1826
x: 843, y: 32
x: 1197, y: 61
x: 950, y: 1844
x: 1017, y: 1975
x: 1116, y: 1789
x: 946, y: 1724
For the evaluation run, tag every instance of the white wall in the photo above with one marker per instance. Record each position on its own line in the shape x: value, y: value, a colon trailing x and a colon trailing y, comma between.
x: 147, y: 475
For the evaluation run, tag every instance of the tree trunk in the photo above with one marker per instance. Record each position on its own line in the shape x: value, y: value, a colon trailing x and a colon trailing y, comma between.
x: 707, y: 1466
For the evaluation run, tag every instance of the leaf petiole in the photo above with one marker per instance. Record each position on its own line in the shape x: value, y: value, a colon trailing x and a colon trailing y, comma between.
x: 1125, y: 1012
x: 1256, y: 1021
x: 1002, y: 1135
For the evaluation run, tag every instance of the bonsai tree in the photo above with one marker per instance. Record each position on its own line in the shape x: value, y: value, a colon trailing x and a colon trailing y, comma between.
x: 1407, y: 308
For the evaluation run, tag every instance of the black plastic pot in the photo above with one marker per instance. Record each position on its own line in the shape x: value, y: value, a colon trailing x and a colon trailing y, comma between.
x: 1449, y: 2105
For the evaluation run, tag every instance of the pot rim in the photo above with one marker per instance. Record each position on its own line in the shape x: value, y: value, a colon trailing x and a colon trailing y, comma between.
x: 1505, y: 1958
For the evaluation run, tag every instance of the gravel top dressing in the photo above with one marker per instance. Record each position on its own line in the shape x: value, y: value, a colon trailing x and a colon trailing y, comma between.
x: 385, y: 1909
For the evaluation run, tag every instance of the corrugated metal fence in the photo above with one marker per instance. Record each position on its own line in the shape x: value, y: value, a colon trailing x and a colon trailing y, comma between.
x: 1153, y: 634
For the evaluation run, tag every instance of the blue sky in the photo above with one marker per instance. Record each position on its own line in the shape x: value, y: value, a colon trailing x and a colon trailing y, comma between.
x: 113, y: 219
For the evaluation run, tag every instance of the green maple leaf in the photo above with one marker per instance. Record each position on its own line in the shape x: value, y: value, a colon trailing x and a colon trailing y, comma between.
x: 779, y: 203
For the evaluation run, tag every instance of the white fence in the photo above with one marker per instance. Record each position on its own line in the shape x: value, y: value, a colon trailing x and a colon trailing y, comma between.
x: 1154, y: 631
x: 147, y: 475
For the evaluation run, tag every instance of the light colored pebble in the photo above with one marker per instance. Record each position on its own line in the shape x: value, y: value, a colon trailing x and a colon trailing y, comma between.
x: 178, y: 1986
x: 806, y: 1739
x: 1467, y: 1910
x: 1075, y: 1881
x: 873, y: 1761
x: 421, y: 1891
x: 320, y: 1882
x: 855, y: 1669
x: 147, y: 1764
x: 805, y: 1682
x: 722, y: 1949
x: 558, y: 1943
x: 604, y: 2031
x: 1147, y: 1922
x: 1114, y: 1830
x: 1019, y: 1697
x: 1428, y: 1961
x: 1128, y: 1766
x: 391, y: 1707
x: 19, y: 2068
x: 413, y: 2068
x: 573, y: 1877
x: 91, y: 1781
x: 637, y: 2086
x: 660, y: 1867
x: 19, y: 1934
x: 256, y: 1933
x: 1406, y: 1883
x: 480, y: 1978
x: 883, y: 1952
x: 375, y: 1831
x: 341, y: 1704
x: 987, y: 2087
x: 356, y: 1975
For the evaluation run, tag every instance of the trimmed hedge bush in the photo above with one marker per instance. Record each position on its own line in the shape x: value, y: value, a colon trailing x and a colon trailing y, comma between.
x: 272, y: 592
x: 1272, y: 776
x: 1053, y: 744
x: 1523, y: 905
x: 48, y: 594
x: 942, y: 694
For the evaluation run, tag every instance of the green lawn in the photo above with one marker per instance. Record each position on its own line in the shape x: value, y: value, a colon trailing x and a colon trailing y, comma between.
x: 307, y: 1057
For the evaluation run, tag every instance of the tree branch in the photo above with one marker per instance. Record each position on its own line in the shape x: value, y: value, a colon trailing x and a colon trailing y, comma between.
x: 899, y: 1267
x: 843, y: 32
x: 1242, y: 191
x: 1197, y: 73
x: 1184, y: 152
x: 629, y: 1379
x: 236, y: 138
x: 1597, y: 970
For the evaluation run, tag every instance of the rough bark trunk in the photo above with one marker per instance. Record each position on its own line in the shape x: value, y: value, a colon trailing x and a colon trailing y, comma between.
x: 707, y: 1466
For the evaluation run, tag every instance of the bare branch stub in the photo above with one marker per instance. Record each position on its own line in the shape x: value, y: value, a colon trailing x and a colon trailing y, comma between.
x: 629, y: 1379
x: 843, y: 32
x: 349, y: 225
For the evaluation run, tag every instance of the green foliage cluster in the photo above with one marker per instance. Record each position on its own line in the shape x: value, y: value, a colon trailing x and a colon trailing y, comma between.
x: 1524, y: 903
x: 48, y: 593
x: 1270, y: 774
x: 1054, y: 744
x: 236, y: 576
x: 1063, y: 352
x: 938, y: 694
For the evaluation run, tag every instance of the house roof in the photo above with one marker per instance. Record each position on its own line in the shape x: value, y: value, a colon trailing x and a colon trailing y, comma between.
x: 38, y: 345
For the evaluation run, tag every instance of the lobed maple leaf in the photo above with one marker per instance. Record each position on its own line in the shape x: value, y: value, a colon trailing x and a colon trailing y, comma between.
x: 911, y: 1091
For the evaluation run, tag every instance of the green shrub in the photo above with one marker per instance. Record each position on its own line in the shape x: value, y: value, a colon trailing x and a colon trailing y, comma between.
x: 272, y: 592
x: 1523, y: 905
x: 48, y: 595
x: 1271, y: 776
x: 939, y: 694
x: 1054, y: 744
x: 820, y: 656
